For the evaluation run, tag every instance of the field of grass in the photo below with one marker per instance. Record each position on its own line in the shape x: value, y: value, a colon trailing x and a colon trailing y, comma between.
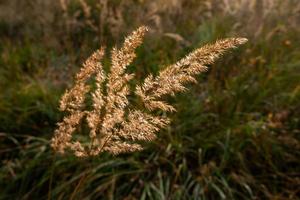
x: 235, y: 135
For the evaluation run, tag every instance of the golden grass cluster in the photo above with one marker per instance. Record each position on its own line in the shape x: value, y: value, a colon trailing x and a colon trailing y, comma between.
x: 114, y: 127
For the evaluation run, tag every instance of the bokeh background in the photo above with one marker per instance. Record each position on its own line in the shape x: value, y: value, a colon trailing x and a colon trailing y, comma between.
x: 235, y: 135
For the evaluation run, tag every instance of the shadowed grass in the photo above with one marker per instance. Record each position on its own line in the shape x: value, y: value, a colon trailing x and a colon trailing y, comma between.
x: 235, y: 134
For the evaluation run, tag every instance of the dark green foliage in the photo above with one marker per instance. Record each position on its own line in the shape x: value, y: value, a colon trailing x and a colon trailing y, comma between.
x: 235, y: 135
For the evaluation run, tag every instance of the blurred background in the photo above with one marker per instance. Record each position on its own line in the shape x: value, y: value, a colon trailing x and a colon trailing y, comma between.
x: 235, y: 135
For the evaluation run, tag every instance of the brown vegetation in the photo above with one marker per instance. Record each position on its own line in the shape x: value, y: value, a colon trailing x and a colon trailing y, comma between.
x: 113, y: 127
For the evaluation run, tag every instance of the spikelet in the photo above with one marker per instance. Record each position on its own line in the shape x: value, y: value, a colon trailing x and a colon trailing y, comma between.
x: 114, y: 127
x: 173, y: 78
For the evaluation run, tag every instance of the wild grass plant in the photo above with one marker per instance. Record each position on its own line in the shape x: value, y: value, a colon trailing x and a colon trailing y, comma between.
x: 114, y: 125
x: 235, y: 134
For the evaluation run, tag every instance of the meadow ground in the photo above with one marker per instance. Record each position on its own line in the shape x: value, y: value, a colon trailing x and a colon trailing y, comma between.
x: 235, y: 135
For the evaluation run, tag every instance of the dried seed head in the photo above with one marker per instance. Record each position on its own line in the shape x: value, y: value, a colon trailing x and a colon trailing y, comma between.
x: 113, y: 127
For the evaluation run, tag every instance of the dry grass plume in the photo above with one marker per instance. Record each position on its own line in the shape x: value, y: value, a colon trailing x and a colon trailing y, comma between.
x: 113, y: 126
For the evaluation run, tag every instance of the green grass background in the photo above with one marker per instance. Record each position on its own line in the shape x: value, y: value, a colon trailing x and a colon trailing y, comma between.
x: 235, y: 135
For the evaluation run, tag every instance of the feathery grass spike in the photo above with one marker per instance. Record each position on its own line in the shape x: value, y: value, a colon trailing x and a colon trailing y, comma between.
x: 113, y: 126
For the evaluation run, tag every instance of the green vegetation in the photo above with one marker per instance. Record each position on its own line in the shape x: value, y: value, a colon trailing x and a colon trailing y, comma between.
x: 235, y: 135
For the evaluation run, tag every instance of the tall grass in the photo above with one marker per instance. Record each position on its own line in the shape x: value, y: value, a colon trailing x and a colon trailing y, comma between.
x: 234, y: 136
